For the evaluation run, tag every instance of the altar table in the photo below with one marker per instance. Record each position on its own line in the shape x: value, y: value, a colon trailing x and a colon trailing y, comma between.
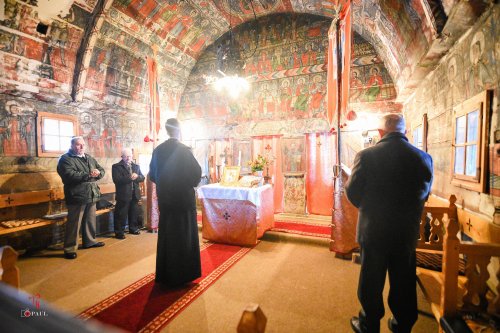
x: 236, y: 215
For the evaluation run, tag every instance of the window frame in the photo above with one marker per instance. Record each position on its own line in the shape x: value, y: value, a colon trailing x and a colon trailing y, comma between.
x: 41, y: 116
x: 480, y: 103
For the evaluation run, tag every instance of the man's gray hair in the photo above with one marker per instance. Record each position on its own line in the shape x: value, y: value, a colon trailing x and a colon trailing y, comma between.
x: 126, y: 152
x: 76, y: 138
x: 393, y: 123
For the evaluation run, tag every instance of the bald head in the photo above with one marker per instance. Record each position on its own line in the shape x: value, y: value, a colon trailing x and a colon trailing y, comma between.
x: 392, y: 123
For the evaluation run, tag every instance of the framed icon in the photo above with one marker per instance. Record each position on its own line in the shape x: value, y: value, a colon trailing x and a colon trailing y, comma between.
x: 230, y: 176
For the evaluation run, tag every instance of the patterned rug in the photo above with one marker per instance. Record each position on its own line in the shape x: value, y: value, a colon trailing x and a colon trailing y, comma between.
x: 146, y: 306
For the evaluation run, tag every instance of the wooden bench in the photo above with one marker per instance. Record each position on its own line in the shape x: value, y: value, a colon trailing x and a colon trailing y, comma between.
x: 37, y: 197
x: 450, y: 295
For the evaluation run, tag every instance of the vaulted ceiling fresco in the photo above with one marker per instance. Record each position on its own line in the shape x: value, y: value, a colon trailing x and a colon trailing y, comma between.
x: 410, y: 38
x: 408, y: 35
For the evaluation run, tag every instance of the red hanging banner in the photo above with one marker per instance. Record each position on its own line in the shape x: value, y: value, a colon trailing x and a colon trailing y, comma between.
x: 345, y: 41
x: 154, y: 112
x: 339, y: 63
x: 332, y: 82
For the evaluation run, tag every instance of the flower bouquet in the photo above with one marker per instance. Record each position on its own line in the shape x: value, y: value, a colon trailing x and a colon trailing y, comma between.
x: 259, y: 163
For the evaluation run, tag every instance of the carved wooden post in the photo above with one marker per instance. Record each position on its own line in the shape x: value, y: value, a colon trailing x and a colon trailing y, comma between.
x: 451, y: 251
x: 252, y: 320
x: 9, y: 273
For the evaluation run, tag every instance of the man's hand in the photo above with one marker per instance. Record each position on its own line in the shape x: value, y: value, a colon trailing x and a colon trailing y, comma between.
x: 134, y: 176
x: 94, y: 173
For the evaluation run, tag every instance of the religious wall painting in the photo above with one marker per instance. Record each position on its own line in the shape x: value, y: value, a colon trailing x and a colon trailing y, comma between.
x: 317, y: 92
x: 63, y: 42
x: 373, y: 84
x: 293, y: 154
x: 17, y: 130
x: 131, y: 133
x: 294, y: 194
x: 78, y: 16
x: 240, y: 11
x: 480, y: 74
x: 197, y: 37
x: 356, y: 86
x: 110, y: 138
x: 320, y: 7
x: 117, y: 79
x: 301, y: 97
x: 89, y: 129
x: 453, y: 93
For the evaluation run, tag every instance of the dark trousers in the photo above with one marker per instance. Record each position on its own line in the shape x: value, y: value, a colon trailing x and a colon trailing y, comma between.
x: 126, y: 210
x: 400, y: 264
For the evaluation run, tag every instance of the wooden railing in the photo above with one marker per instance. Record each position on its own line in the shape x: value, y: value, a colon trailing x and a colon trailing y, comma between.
x: 449, y: 294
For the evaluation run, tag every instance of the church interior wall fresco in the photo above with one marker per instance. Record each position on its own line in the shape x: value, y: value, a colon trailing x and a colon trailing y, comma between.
x: 471, y: 66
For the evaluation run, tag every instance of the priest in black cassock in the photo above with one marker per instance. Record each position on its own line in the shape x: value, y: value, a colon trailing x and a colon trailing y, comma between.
x: 176, y: 172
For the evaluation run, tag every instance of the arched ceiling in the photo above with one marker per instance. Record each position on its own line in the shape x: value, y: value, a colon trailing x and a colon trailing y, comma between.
x: 409, y: 36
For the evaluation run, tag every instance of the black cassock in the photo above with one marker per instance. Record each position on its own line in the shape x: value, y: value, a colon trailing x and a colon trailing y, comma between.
x: 176, y: 172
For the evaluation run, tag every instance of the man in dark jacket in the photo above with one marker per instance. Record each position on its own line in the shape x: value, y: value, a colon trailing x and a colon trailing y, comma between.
x: 79, y: 173
x: 389, y: 184
x: 176, y: 172
x: 126, y: 175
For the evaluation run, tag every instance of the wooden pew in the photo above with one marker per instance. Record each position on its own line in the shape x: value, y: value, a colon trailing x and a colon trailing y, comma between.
x: 449, y: 294
x: 37, y: 197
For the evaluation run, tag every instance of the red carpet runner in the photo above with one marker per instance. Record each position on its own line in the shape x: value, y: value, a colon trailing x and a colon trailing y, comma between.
x: 300, y: 228
x: 296, y: 227
x: 146, y: 306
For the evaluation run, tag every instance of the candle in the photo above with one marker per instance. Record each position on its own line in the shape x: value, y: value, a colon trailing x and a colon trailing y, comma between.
x: 239, y: 158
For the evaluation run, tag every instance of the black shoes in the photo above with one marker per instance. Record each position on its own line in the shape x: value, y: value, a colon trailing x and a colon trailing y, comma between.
x: 98, y: 244
x: 70, y: 255
x: 391, y: 323
x: 120, y: 236
x: 135, y: 232
x: 356, y: 325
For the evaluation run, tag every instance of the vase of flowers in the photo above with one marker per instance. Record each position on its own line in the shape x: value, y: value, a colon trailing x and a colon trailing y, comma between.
x: 257, y: 166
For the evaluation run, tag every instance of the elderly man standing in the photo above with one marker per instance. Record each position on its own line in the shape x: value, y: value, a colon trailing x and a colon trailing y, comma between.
x: 389, y: 184
x: 127, y: 175
x: 79, y: 173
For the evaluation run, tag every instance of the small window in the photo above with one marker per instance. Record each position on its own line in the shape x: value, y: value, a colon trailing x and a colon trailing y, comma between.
x: 54, y: 133
x: 419, y: 134
x: 469, y: 142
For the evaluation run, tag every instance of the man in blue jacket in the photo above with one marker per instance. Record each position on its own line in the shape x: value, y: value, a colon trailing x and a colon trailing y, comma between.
x: 389, y: 184
x: 79, y: 173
